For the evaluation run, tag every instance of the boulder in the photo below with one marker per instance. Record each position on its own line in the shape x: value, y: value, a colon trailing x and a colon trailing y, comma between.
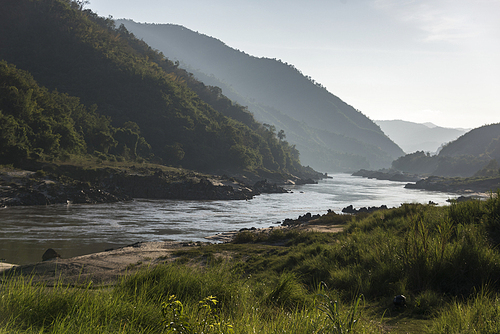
x: 351, y: 210
x: 399, y: 301
x: 50, y: 254
x: 263, y: 186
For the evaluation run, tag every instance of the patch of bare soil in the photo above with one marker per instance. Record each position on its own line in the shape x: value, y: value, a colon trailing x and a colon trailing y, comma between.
x: 100, y: 268
x: 321, y: 228
x: 5, y: 266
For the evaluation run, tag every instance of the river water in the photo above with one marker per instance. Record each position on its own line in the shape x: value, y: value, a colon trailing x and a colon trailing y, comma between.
x: 72, y: 230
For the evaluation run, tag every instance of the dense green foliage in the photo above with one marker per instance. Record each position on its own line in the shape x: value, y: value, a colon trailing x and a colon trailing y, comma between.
x: 37, y: 123
x: 331, y: 134
x: 418, y: 162
x: 80, y: 54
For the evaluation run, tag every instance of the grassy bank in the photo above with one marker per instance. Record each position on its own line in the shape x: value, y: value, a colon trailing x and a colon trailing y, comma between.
x: 443, y: 259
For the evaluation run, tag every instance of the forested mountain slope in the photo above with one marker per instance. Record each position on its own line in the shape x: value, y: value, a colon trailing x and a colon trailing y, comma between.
x: 109, y: 72
x: 482, y: 141
x: 475, y: 153
x: 334, y: 134
x: 36, y: 122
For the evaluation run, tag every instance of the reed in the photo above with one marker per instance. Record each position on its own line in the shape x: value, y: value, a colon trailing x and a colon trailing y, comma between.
x: 478, y: 314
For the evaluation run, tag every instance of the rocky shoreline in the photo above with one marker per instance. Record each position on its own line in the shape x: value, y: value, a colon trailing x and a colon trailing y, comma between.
x: 106, y: 185
x: 388, y: 174
x: 457, y: 184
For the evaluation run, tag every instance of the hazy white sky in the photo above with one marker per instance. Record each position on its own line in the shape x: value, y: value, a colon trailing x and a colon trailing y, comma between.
x: 417, y: 60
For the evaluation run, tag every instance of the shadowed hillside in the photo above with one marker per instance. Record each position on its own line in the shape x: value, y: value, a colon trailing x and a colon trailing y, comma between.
x: 482, y: 141
x: 68, y: 50
x: 329, y: 133
x: 475, y: 153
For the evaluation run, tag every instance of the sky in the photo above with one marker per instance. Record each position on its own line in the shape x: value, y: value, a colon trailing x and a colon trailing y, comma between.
x: 417, y: 60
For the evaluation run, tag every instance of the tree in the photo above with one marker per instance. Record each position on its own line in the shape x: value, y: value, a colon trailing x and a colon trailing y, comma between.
x: 281, y: 135
x: 81, y: 3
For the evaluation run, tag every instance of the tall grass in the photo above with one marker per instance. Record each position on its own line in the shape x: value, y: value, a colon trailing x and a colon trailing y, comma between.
x: 278, y: 305
x: 479, y: 314
x: 34, y: 308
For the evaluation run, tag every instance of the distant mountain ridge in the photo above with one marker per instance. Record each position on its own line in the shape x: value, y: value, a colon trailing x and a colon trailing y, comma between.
x: 412, y: 137
x: 277, y: 93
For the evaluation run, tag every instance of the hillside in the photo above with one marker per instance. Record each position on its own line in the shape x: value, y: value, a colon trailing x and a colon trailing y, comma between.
x: 482, y: 141
x: 413, y: 137
x: 122, y: 81
x: 475, y: 153
x: 331, y: 134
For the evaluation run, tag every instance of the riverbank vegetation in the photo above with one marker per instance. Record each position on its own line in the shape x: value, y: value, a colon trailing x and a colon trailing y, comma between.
x: 445, y: 260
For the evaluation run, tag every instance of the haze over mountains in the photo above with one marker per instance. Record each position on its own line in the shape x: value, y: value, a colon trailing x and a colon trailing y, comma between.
x: 413, y: 137
x: 74, y: 84
x: 329, y: 134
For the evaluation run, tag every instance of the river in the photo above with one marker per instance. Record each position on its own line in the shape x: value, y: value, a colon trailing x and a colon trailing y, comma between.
x: 72, y: 230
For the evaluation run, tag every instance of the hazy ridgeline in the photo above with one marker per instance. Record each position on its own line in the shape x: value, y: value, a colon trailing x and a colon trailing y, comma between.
x: 413, y: 137
x: 330, y: 134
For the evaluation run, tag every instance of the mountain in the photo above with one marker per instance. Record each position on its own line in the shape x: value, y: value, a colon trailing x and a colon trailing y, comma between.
x: 482, y: 141
x: 330, y: 134
x: 476, y: 152
x: 70, y: 68
x: 413, y: 137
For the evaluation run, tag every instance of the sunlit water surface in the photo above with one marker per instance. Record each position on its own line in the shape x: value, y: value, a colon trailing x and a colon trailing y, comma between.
x: 26, y: 232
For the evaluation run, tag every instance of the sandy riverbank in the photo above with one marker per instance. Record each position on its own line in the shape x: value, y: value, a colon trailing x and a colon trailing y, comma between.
x: 5, y: 266
x: 105, y: 267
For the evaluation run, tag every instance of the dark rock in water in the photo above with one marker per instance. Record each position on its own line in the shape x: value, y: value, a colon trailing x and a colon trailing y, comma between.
x: 300, y: 220
x: 305, y: 181
x: 461, y: 199
x: 350, y: 209
x: 457, y: 185
x: 307, y: 217
x: 388, y: 174
x: 263, y: 186
x: 399, y: 301
x: 50, y: 254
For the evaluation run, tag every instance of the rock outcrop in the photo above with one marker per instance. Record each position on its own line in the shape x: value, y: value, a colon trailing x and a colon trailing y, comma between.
x: 300, y: 220
x: 108, y: 185
x: 50, y: 254
x: 457, y: 185
x: 388, y: 174
x: 264, y: 187
x: 350, y: 209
